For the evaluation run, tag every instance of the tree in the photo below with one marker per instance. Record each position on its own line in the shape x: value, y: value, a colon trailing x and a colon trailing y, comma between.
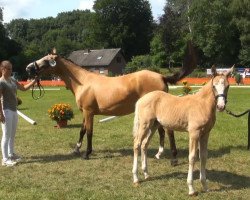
x: 240, y: 10
x: 124, y: 23
x: 213, y: 31
x: 68, y: 27
x: 8, y: 47
x: 1, y: 14
x: 157, y: 52
x: 174, y: 29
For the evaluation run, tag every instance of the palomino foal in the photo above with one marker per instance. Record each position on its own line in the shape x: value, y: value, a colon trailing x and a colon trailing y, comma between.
x: 192, y: 113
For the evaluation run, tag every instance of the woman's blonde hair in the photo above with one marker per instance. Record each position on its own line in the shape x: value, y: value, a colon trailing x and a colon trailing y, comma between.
x: 4, y: 64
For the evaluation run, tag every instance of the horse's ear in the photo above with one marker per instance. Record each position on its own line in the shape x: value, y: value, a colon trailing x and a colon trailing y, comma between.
x: 54, y: 50
x: 213, y: 70
x: 230, y: 71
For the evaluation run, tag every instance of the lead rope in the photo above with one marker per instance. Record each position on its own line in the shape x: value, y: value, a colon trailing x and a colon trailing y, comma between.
x: 239, y: 115
x: 40, y: 88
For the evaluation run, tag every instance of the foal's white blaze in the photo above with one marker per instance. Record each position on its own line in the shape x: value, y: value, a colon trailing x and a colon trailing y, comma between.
x: 220, y: 87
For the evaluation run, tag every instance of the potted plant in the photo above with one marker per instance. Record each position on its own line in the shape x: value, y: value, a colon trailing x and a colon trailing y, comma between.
x: 186, y: 88
x: 61, y: 113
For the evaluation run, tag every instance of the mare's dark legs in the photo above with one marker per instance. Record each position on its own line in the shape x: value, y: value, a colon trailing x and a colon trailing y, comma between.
x: 86, y: 128
x: 170, y: 133
x: 89, y: 120
x: 79, y: 143
x: 174, y: 160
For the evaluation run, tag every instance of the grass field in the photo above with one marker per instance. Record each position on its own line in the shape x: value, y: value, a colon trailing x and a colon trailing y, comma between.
x: 50, y: 171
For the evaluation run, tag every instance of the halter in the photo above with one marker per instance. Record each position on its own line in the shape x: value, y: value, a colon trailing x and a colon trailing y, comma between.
x: 39, y: 86
x: 219, y: 95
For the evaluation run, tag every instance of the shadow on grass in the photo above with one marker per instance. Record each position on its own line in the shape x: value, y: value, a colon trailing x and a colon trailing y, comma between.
x: 18, y: 108
x: 228, y: 180
x: 51, y: 158
x: 182, y: 153
x: 115, y: 153
x: 74, y: 126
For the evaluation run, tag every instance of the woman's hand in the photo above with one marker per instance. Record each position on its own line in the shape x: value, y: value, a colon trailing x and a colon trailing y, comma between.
x: 2, y: 118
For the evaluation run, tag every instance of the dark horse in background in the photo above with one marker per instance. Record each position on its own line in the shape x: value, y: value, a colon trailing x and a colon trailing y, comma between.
x: 100, y: 95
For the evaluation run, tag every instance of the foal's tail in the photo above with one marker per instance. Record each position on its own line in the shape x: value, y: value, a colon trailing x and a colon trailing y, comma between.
x: 189, y: 63
x: 136, y: 121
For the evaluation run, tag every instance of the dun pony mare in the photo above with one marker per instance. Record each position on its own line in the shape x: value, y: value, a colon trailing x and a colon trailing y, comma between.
x: 192, y: 113
x: 100, y: 95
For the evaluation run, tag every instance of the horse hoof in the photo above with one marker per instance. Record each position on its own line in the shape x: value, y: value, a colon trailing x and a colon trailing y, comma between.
x: 193, y: 194
x: 174, y: 162
x: 86, y: 157
x: 136, y: 184
x: 76, y: 153
x: 147, y: 177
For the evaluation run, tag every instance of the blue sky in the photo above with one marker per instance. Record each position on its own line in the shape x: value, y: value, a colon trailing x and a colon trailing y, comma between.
x: 36, y: 9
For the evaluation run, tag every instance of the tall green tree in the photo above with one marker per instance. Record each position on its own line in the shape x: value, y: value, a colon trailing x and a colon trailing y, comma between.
x: 174, y: 29
x: 241, y: 16
x: 213, y: 31
x: 1, y: 14
x: 67, y: 32
x: 157, y: 51
x: 8, y: 47
x: 124, y: 23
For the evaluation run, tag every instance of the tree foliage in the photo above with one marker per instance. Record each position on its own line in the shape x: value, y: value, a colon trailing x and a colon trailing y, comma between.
x: 1, y: 14
x: 67, y: 32
x: 157, y: 51
x: 173, y: 29
x: 214, y: 32
x: 124, y: 23
x: 219, y: 28
x: 241, y: 15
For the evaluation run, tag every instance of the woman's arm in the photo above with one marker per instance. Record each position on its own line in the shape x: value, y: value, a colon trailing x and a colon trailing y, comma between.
x: 2, y: 118
x: 27, y: 86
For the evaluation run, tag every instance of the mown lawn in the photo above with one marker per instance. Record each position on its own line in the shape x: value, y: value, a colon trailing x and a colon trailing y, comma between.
x: 50, y: 171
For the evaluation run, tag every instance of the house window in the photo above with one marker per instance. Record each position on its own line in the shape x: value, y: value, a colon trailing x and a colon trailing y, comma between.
x: 101, y: 70
x: 118, y: 59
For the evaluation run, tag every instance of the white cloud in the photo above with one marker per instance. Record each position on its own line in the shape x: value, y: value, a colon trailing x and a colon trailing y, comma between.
x: 17, y: 8
x: 86, y: 4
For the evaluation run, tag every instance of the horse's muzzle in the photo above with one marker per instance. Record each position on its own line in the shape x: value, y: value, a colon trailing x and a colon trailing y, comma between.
x: 31, y: 69
x: 220, y: 108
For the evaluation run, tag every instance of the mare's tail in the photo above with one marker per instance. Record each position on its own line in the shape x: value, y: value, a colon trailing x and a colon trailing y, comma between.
x: 136, y: 121
x: 189, y: 63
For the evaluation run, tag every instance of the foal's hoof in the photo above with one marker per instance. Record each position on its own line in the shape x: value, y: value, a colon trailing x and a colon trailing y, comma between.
x: 136, y: 184
x: 194, y: 194
x: 147, y: 178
